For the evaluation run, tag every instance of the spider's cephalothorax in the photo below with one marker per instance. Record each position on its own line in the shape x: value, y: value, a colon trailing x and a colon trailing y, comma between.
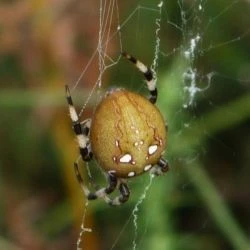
x: 127, y: 137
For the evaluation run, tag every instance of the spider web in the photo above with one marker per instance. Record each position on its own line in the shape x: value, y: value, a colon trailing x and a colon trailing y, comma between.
x: 187, y: 83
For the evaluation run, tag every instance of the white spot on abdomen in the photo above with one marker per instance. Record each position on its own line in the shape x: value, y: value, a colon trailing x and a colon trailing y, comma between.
x: 131, y: 174
x: 147, y: 167
x: 152, y: 149
x: 126, y: 158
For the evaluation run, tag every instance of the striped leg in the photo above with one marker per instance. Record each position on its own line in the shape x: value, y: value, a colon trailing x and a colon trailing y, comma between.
x: 81, y: 129
x: 104, y: 192
x: 86, y: 126
x: 148, y: 74
x: 161, y: 167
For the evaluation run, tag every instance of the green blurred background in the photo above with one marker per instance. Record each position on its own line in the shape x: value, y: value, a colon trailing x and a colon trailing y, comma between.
x: 203, y: 202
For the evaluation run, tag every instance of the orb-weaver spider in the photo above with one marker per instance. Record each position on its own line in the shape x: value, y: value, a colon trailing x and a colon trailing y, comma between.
x: 126, y: 135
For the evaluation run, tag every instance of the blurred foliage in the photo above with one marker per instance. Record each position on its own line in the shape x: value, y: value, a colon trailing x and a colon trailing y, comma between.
x: 202, y: 203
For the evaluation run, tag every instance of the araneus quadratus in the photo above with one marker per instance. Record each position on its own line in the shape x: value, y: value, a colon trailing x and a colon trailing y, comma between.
x: 126, y: 135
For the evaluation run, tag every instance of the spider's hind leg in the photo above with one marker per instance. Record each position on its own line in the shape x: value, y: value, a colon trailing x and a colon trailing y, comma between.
x: 161, y: 167
x: 104, y: 192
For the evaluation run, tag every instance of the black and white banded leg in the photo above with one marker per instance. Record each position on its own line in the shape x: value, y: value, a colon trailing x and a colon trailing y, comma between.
x: 161, y: 167
x: 81, y: 129
x: 148, y: 74
x: 104, y: 192
x: 86, y: 126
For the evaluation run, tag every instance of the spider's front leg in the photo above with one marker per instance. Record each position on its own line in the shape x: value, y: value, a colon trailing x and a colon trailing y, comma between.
x: 104, y: 192
x: 148, y: 74
x: 81, y: 129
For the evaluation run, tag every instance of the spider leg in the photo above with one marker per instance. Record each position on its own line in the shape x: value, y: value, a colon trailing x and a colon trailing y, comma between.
x: 124, y: 195
x: 148, y: 74
x: 86, y: 126
x: 80, y: 130
x: 161, y: 167
x: 104, y: 192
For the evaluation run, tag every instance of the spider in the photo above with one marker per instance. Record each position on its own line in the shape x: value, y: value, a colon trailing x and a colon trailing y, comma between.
x: 126, y: 136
